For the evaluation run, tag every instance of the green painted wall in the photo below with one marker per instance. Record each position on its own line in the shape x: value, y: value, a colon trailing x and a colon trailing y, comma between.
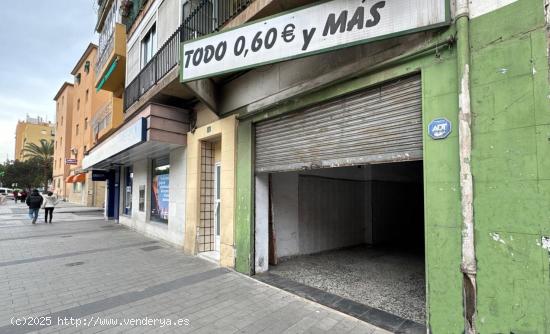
x: 511, y: 167
x: 442, y: 189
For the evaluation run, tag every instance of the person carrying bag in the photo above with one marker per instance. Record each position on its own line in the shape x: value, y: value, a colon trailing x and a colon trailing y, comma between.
x: 34, y: 202
x: 50, y: 201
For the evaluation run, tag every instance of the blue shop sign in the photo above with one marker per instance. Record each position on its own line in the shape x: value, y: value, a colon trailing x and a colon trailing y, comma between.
x: 439, y: 128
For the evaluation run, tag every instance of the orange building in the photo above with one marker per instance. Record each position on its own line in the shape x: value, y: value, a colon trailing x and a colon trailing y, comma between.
x: 79, y: 133
x: 32, y: 130
x: 62, y: 148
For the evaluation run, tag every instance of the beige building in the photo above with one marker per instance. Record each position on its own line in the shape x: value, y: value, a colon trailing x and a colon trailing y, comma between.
x: 62, y: 150
x: 77, y: 105
x: 32, y: 130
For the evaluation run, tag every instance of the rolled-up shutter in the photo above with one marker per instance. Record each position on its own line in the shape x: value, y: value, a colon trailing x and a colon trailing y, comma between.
x: 381, y: 124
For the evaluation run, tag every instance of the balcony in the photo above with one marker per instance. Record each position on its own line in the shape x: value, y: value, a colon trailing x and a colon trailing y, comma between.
x: 110, y: 69
x: 203, y: 18
x: 107, y: 119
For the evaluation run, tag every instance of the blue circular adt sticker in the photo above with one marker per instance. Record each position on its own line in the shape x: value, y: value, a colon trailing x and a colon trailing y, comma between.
x: 439, y: 128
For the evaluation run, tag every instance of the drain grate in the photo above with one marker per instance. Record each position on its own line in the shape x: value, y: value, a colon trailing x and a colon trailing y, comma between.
x: 150, y: 248
x: 66, y: 236
x: 74, y: 264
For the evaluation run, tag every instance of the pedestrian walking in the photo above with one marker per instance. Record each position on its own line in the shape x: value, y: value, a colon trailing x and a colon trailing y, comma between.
x: 15, y: 194
x: 23, y: 195
x: 34, y: 202
x: 50, y: 201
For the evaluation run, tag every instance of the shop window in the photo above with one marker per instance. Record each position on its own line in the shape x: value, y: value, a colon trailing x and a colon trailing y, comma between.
x: 77, y: 187
x: 141, y: 199
x: 160, y: 185
x: 128, y: 191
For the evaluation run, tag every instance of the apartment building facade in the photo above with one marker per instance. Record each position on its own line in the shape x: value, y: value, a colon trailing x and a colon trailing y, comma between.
x: 78, y: 105
x: 258, y: 132
x: 31, y: 130
x: 62, y: 149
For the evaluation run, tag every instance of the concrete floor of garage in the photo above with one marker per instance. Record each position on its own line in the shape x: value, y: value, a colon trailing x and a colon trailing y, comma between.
x: 386, y: 279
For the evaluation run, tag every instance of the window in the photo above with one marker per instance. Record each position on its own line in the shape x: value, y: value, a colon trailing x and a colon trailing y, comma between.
x: 63, y: 100
x: 149, y: 45
x: 160, y: 189
x: 85, y: 123
x: 78, y: 104
x: 87, y: 67
x: 77, y: 187
x: 77, y: 78
x: 60, y: 141
x: 128, y: 191
x: 85, y: 148
x: 77, y: 129
x: 61, y: 120
x: 87, y: 94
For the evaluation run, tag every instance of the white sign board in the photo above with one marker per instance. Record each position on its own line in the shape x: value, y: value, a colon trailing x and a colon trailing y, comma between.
x: 314, y: 29
x: 119, y: 142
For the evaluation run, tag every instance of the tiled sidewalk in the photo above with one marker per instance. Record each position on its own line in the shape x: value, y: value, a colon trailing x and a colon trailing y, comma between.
x: 88, y: 271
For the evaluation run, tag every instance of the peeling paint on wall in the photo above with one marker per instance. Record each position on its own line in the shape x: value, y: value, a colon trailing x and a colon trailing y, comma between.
x: 546, y: 243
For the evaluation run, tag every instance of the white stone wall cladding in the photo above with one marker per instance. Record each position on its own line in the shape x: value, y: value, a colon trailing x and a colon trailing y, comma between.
x: 174, y: 231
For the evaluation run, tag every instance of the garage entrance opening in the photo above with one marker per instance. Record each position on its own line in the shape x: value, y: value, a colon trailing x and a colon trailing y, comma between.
x: 354, y: 232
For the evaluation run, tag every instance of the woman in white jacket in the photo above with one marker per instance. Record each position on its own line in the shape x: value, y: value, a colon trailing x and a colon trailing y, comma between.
x: 50, y: 201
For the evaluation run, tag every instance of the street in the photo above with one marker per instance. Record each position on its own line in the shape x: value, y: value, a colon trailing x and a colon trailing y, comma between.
x: 83, y: 274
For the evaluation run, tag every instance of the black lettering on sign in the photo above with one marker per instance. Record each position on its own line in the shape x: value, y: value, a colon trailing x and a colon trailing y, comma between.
x: 188, y: 55
x: 208, y: 53
x: 288, y: 33
x: 332, y: 25
x: 239, y: 45
x: 374, y: 11
x: 197, y: 57
x: 270, y: 38
x: 220, y: 50
x: 358, y: 19
x: 308, y: 36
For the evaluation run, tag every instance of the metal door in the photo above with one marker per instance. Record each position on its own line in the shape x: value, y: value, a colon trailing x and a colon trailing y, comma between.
x: 376, y: 125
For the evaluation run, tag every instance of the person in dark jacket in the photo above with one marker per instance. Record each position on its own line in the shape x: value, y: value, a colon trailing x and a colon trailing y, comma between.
x: 34, y: 201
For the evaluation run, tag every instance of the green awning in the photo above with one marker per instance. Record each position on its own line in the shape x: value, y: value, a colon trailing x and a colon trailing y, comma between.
x: 107, y: 75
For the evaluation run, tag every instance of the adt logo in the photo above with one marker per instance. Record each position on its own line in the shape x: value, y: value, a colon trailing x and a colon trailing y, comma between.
x: 439, y: 128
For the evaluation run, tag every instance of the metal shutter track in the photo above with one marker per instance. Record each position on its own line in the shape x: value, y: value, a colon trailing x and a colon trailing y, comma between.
x: 377, y: 125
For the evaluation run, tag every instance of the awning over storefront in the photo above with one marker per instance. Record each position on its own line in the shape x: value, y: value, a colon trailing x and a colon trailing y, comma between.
x: 153, y: 132
x: 81, y: 177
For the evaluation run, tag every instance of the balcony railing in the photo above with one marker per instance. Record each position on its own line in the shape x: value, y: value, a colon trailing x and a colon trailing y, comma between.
x: 102, y: 119
x: 204, y: 18
x: 106, y: 40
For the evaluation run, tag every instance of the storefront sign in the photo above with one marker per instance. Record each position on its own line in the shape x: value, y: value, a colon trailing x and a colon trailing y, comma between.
x: 100, y: 175
x: 439, y: 128
x: 71, y: 162
x: 314, y: 29
x: 121, y: 141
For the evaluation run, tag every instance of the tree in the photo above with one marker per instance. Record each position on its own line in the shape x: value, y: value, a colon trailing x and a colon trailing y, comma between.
x: 22, y: 173
x: 43, y: 155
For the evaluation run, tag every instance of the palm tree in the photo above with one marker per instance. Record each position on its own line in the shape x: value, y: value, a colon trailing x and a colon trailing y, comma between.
x: 43, y: 154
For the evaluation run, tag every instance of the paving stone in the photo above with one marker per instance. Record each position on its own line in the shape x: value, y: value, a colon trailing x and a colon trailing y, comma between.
x: 118, y: 280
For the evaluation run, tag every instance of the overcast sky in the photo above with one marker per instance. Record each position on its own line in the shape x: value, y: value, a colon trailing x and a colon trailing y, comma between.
x: 40, y: 43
